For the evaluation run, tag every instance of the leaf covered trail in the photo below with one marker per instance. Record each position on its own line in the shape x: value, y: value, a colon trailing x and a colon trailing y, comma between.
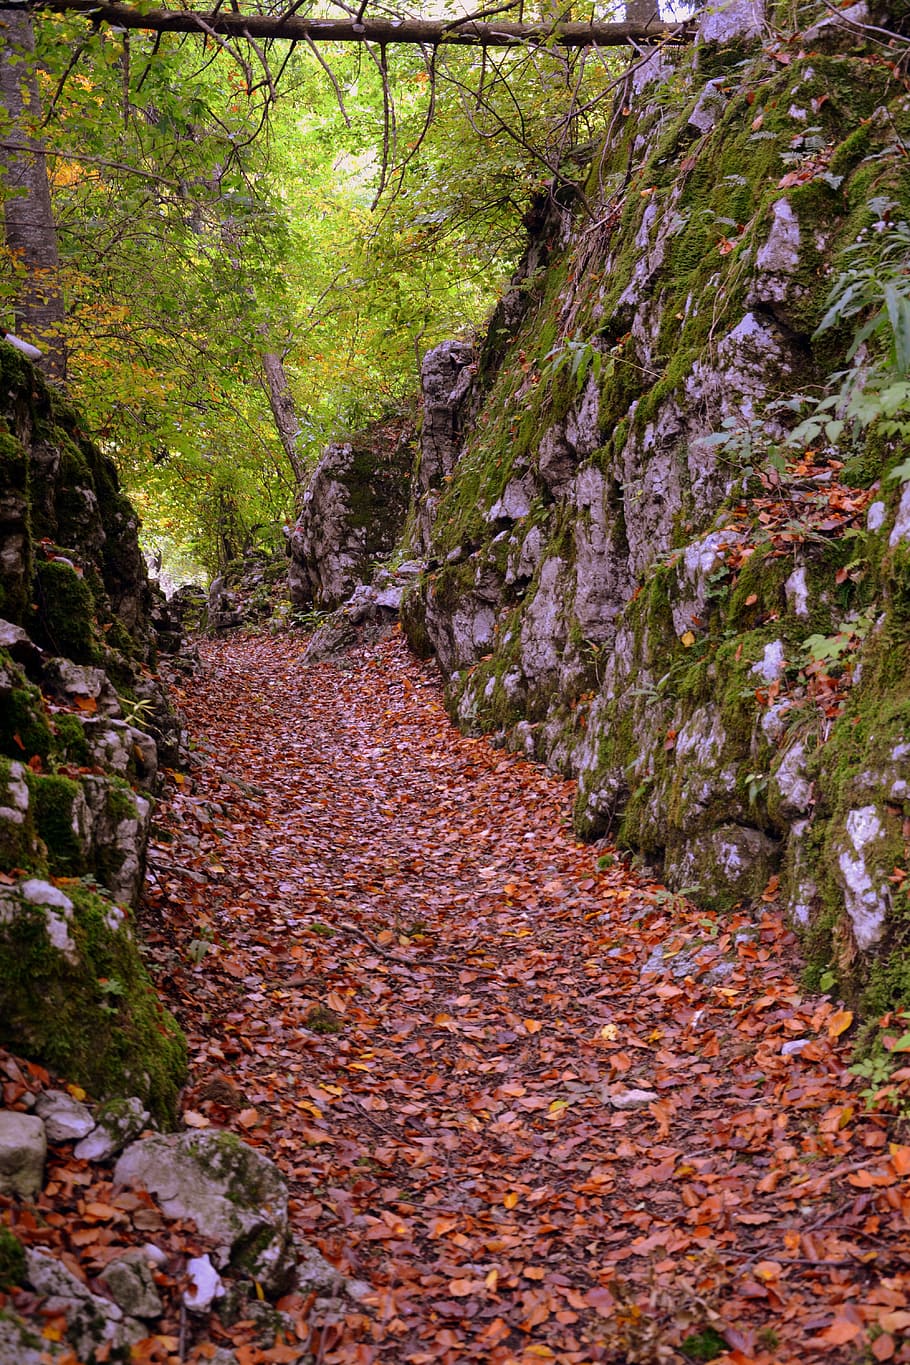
x: 406, y: 982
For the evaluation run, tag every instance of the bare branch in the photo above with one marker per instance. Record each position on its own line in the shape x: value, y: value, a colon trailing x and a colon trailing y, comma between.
x: 423, y: 32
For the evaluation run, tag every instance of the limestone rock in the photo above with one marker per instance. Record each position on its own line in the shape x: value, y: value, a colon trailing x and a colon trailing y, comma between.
x: 65, y: 1119
x: 115, y: 1124
x: 20, y: 1344
x: 205, y: 1285
x: 23, y: 1149
x: 354, y: 508
x: 234, y: 1195
x: 130, y: 1283
x: 90, y: 1319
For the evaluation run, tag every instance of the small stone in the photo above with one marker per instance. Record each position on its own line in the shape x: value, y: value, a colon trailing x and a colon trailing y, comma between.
x: 130, y: 1283
x: 794, y: 1047
x: 632, y: 1099
x: 314, y: 1273
x: 205, y: 1285
x: 116, y: 1124
x: 65, y: 1119
x: 23, y: 1149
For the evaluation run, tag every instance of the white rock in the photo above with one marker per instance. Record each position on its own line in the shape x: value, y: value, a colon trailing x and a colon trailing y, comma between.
x: 772, y: 662
x: 65, y: 1119
x: 233, y: 1194
x: 875, y: 517
x: 901, y: 528
x: 116, y: 1123
x: 23, y: 1149
x: 797, y: 592
x: 794, y: 1047
x: 633, y: 1099
x: 205, y: 1285
x: 58, y: 913
x: 866, y: 902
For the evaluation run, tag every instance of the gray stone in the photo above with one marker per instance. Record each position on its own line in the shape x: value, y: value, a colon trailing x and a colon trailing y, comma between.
x: 205, y: 1285
x: 21, y: 1344
x: 730, y: 19
x: 130, y: 1283
x: 866, y: 892
x: 71, y: 680
x: 116, y: 1123
x: 65, y: 1119
x: 57, y: 909
x: 23, y: 1149
x: 235, y: 1196
x: 315, y: 1274
x: 90, y: 1319
x: 709, y: 107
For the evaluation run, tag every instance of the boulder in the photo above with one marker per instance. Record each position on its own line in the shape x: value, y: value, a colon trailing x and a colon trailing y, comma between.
x: 65, y: 1119
x: 130, y: 1282
x: 91, y: 1321
x: 115, y: 1124
x: 234, y: 1195
x: 354, y: 508
x: 23, y: 1149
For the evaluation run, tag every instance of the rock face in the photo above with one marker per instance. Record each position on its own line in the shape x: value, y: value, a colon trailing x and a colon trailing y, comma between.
x: 84, y: 725
x: 617, y: 580
x: 354, y: 509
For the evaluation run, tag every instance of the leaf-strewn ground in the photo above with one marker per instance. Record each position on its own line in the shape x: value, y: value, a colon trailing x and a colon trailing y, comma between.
x: 407, y: 982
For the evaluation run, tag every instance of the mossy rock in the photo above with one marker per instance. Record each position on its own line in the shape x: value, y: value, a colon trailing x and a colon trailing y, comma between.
x: 61, y: 819
x: 65, y: 624
x: 75, y: 996
x: 17, y: 824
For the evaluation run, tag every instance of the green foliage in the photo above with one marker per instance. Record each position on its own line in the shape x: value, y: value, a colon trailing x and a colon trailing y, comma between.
x: 12, y: 1261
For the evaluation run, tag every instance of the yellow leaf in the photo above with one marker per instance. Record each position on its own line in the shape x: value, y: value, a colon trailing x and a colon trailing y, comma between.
x: 688, y: 639
x: 511, y: 1199
x: 609, y: 1033
x: 533, y: 1025
x: 76, y: 1091
x: 492, y: 1280
x: 839, y: 1022
x: 558, y: 1106
x: 260, y: 1295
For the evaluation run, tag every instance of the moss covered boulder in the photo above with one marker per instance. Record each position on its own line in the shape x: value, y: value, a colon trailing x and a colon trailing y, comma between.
x: 233, y: 1194
x: 75, y: 994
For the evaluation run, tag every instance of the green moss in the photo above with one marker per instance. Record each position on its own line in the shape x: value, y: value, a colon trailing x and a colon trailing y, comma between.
x: 66, y: 612
x: 12, y: 1261
x: 57, y: 802
x: 95, y: 1019
x: 70, y: 740
x: 704, y: 1345
x: 24, y: 730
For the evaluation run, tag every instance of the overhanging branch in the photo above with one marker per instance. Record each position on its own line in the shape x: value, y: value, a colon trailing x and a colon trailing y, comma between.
x: 424, y: 32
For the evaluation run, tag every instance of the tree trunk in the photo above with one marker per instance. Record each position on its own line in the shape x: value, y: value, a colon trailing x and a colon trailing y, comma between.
x: 31, y: 234
x: 282, y: 405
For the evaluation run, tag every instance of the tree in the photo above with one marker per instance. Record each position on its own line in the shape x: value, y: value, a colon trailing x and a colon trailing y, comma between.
x: 30, y: 232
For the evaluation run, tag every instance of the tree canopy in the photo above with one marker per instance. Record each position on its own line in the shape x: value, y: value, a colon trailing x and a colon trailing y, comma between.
x: 258, y: 241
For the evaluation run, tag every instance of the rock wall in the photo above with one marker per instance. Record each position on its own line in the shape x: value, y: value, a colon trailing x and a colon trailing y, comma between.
x: 84, y: 726
x: 622, y: 579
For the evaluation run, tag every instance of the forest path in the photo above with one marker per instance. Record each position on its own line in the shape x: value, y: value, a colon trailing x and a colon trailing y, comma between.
x: 462, y: 1142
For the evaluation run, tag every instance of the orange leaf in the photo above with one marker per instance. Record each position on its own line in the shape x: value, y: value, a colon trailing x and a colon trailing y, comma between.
x: 900, y: 1158
x: 840, y: 1332
x: 839, y: 1022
